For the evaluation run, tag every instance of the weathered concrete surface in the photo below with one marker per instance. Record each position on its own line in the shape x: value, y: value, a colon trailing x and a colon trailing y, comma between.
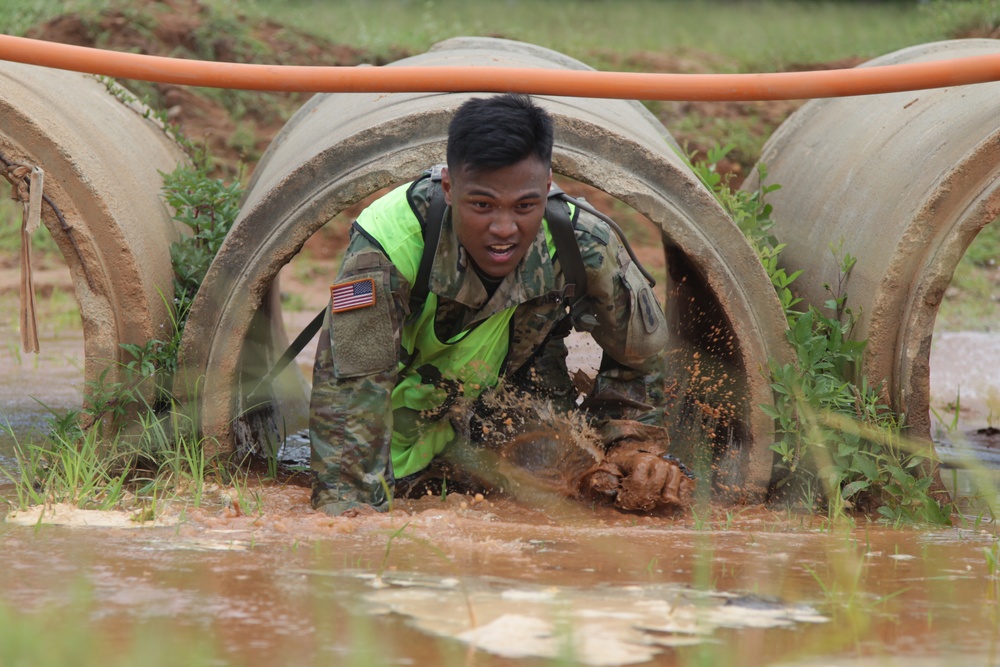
x: 101, y: 160
x: 340, y: 148
x: 904, y: 181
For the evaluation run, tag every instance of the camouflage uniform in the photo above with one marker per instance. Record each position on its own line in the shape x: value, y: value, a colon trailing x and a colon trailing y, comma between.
x: 361, y: 358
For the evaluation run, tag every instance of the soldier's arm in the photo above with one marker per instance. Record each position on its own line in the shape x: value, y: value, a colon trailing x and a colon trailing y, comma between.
x: 631, y: 328
x: 350, y: 415
x: 635, y: 473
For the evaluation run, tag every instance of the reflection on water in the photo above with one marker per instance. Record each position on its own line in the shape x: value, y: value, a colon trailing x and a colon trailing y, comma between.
x: 601, y: 625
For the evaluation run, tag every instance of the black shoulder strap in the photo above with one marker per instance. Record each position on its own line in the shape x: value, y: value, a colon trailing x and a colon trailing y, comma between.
x: 432, y: 234
x: 293, y: 350
x: 561, y: 227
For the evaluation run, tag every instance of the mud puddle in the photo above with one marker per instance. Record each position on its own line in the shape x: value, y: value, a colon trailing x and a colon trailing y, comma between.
x: 457, y: 581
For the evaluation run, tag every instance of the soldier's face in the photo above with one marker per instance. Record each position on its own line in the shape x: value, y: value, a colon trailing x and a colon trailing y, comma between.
x: 497, y: 213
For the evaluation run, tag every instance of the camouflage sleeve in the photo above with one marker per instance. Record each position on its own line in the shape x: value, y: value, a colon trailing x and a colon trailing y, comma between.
x: 350, y: 415
x: 631, y: 328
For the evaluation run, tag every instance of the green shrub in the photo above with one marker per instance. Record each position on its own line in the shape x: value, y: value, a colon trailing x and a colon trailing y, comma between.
x: 839, y: 440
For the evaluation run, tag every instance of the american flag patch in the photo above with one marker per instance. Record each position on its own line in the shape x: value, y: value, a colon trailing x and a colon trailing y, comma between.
x: 352, y: 295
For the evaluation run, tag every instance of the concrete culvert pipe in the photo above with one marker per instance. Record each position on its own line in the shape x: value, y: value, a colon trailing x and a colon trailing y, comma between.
x: 904, y: 181
x: 101, y: 159
x: 341, y: 148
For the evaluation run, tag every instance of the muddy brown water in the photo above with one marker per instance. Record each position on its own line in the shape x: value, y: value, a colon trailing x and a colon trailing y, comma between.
x: 460, y: 581
x: 430, y: 581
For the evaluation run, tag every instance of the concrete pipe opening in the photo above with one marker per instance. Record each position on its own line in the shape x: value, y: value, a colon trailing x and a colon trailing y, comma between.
x: 340, y: 148
x: 101, y: 158
x: 903, y: 182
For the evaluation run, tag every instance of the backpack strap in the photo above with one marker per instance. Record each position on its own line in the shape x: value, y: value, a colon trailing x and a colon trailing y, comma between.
x: 561, y: 226
x: 289, y: 355
x: 432, y: 234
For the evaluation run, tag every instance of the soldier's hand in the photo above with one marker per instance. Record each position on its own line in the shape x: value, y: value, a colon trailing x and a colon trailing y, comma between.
x: 649, y: 481
x: 637, y: 473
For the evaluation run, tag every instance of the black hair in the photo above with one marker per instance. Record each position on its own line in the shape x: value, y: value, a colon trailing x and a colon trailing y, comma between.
x: 494, y: 132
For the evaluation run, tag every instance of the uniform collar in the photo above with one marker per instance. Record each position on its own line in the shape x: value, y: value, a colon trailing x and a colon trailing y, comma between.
x: 453, y: 277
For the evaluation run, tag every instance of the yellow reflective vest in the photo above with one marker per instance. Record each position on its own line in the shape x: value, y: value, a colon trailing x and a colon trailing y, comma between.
x: 438, y: 374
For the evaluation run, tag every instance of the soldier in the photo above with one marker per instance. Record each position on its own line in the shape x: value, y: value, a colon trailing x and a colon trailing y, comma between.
x: 454, y: 282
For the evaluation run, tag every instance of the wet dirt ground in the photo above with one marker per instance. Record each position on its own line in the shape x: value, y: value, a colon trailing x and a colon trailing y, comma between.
x: 460, y: 581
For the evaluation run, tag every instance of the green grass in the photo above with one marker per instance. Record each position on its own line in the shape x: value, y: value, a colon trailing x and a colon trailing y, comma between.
x: 749, y: 35
x: 969, y: 302
x: 985, y: 249
x: 754, y: 35
x: 746, y: 35
x: 10, y: 228
x: 746, y: 134
x: 16, y: 18
x: 92, y: 471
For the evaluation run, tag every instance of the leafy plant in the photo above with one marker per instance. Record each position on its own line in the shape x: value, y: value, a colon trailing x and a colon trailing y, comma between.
x: 207, y: 207
x: 120, y: 431
x: 840, y: 441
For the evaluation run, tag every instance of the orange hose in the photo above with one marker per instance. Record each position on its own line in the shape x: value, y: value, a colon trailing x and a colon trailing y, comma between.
x: 570, y: 83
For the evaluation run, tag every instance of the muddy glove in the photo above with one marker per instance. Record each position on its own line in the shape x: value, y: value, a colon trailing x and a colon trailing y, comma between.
x: 636, y: 472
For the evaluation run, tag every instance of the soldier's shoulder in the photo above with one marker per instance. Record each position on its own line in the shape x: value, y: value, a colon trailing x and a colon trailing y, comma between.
x: 419, y: 193
x: 592, y: 230
x: 419, y: 188
x: 389, y: 212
